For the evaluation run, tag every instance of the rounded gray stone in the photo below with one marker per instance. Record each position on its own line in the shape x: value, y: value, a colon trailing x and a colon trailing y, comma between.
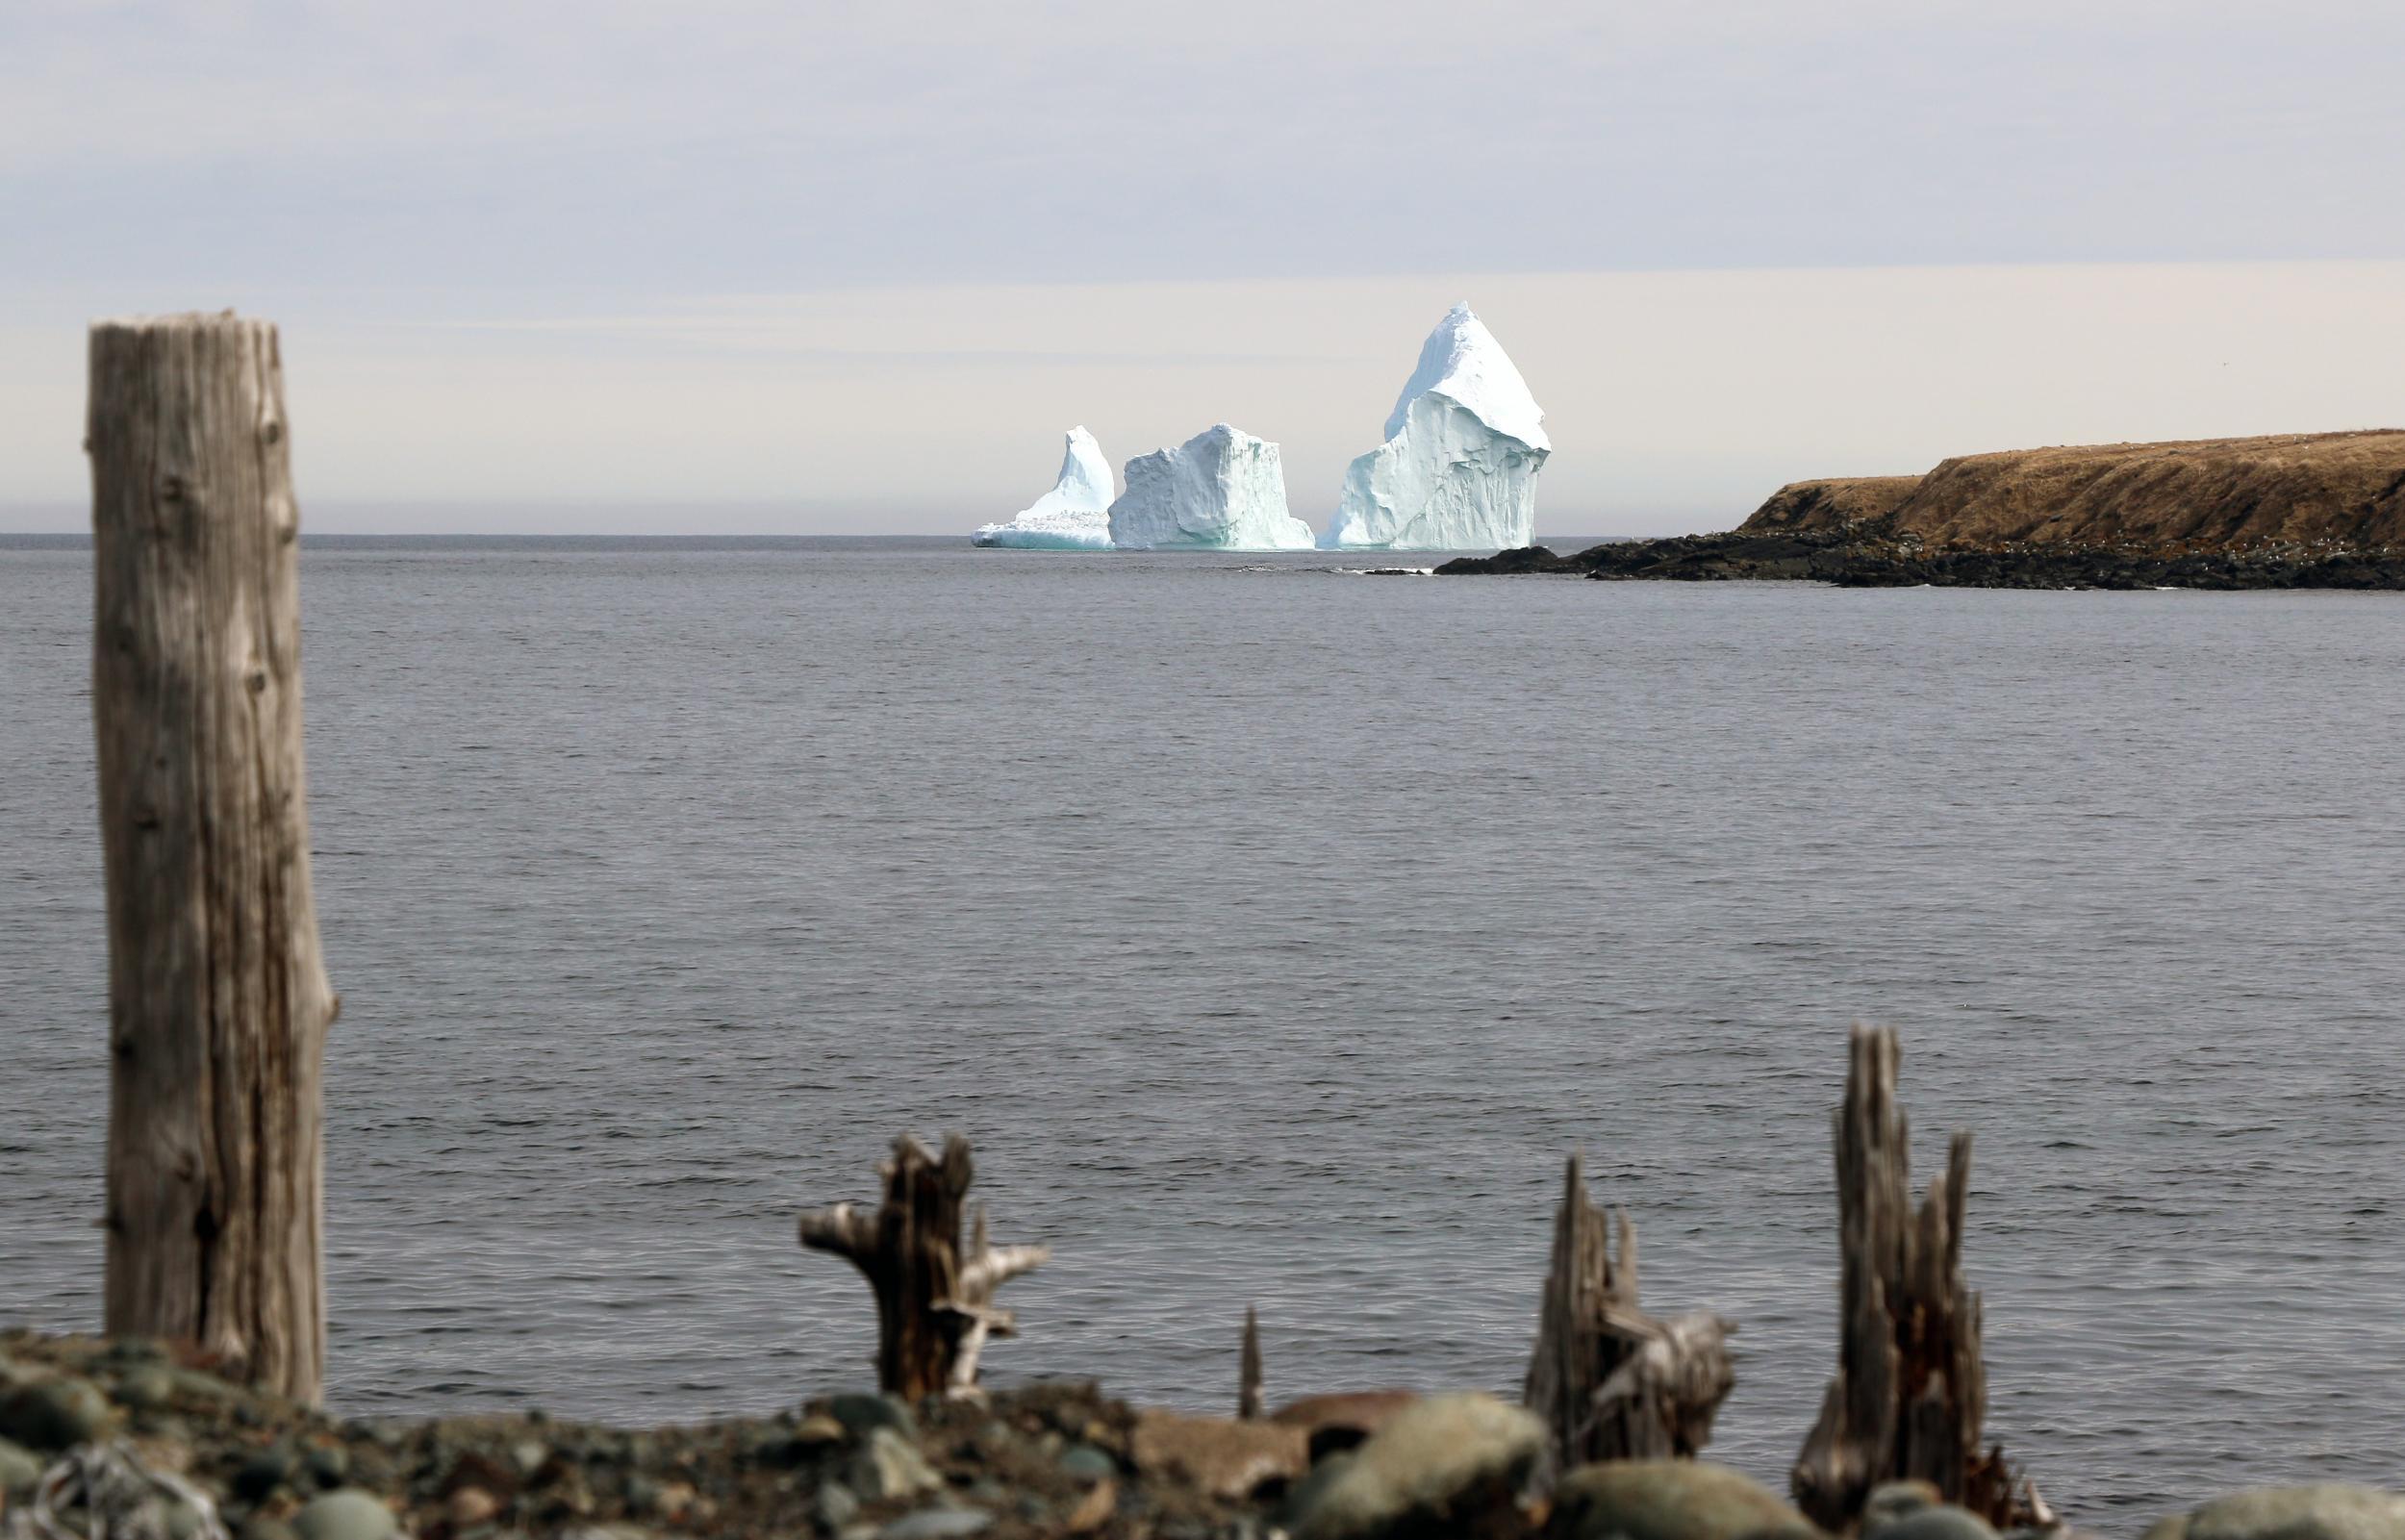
x: 890, y: 1466
x: 18, y: 1469
x: 1669, y: 1500
x: 329, y: 1465
x: 1441, y: 1463
x: 182, y: 1519
x: 257, y: 1479
x: 835, y: 1507
x: 862, y: 1415
x: 1890, y: 1500
x: 1088, y: 1463
x: 348, y: 1514
x: 202, y: 1386
x: 145, y: 1387
x: 1942, y: 1522
x: 937, y: 1524
x: 2326, y: 1511
x: 56, y: 1413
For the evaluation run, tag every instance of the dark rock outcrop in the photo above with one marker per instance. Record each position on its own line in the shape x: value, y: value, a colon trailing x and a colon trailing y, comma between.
x: 1519, y: 559
x: 1715, y: 557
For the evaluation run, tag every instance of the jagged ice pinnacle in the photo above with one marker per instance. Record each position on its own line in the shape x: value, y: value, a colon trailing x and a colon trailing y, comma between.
x: 1073, y: 516
x: 1463, y: 445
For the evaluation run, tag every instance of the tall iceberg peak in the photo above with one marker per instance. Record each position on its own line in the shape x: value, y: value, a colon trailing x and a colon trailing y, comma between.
x: 1220, y: 489
x: 1073, y: 516
x: 1463, y: 445
x: 1462, y: 362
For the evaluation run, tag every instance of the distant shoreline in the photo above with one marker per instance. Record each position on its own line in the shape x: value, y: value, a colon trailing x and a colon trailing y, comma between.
x: 77, y: 542
x: 2289, y: 510
x: 1875, y: 559
x: 62, y: 542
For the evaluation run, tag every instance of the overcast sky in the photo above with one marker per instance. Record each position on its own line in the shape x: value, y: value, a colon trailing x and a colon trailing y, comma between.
x: 775, y: 266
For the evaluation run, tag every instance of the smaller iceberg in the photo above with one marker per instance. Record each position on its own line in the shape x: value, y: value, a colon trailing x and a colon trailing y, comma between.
x: 1458, y: 471
x: 1075, y: 516
x: 1222, y: 489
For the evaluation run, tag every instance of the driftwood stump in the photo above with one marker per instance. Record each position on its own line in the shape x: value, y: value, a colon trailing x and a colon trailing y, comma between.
x: 1248, y: 1369
x: 934, y: 1310
x: 1609, y: 1381
x: 219, y: 1003
x: 1909, y: 1396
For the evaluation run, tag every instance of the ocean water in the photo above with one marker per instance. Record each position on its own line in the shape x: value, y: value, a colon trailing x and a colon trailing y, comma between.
x: 1275, y: 933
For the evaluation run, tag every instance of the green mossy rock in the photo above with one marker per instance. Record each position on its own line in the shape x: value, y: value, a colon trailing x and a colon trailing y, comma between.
x: 1936, y: 1521
x: 2332, y: 1511
x: 1432, y: 1470
x: 1669, y: 1500
x: 19, y: 1470
x: 348, y: 1514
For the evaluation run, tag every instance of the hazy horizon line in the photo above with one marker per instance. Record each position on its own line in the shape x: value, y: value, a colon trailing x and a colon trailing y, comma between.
x: 49, y: 519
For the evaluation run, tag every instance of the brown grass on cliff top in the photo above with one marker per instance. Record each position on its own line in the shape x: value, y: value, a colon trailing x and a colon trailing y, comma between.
x: 2345, y: 488
x: 1831, y: 502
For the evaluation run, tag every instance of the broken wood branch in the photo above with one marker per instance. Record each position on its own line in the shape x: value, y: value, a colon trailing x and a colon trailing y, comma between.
x: 1609, y: 1381
x: 1909, y: 1396
x: 934, y: 1306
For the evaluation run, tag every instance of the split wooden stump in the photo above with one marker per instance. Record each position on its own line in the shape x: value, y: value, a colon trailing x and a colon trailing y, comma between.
x: 218, y: 1002
x: 1609, y: 1381
x: 934, y: 1306
x: 1909, y: 1398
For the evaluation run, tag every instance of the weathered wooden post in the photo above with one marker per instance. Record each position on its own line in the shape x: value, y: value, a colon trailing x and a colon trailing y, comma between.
x: 1911, y: 1394
x: 218, y: 1002
x: 1610, y: 1381
x: 934, y: 1306
x: 1248, y: 1369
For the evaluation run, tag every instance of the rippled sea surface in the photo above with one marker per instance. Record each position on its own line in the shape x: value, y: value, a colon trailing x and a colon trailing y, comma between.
x: 1275, y: 933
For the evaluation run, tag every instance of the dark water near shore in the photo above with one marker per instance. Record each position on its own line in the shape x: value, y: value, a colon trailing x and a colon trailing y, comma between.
x: 1275, y: 934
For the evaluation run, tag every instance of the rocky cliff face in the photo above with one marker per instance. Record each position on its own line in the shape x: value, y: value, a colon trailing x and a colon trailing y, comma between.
x: 2327, y: 490
x: 1832, y: 503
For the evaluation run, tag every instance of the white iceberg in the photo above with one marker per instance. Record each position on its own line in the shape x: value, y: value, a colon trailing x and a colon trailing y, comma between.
x: 1458, y: 471
x: 1075, y: 516
x: 1220, y: 489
